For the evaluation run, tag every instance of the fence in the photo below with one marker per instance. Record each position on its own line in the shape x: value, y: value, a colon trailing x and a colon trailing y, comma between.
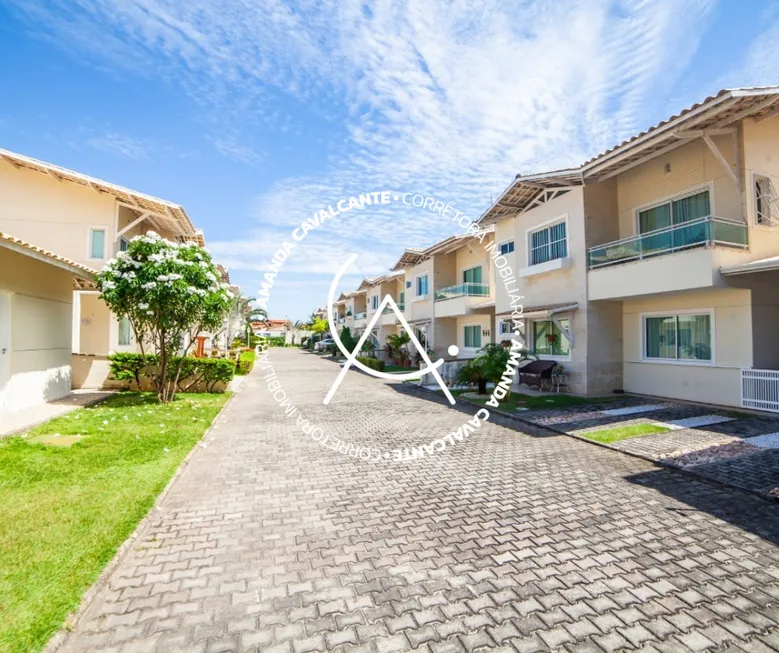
x: 760, y: 389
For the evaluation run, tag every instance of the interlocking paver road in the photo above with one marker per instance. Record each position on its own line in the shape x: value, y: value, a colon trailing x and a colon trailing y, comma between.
x: 508, y: 542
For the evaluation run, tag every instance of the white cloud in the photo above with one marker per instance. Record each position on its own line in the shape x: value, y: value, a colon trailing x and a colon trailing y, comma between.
x: 446, y: 97
x: 121, y: 145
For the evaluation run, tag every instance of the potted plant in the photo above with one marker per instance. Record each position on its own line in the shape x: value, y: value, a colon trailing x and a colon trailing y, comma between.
x: 396, y: 343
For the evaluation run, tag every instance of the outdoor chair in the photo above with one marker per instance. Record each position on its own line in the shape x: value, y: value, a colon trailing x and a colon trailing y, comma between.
x: 537, y: 373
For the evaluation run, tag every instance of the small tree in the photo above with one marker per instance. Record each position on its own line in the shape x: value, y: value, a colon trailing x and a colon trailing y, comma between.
x: 170, y: 292
x: 320, y: 326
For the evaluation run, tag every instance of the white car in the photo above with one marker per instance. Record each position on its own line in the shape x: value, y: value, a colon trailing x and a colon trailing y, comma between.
x: 323, y: 344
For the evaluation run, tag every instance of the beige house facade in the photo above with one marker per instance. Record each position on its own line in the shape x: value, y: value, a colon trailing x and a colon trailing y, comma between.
x: 88, y: 221
x: 653, y: 268
x: 36, y: 305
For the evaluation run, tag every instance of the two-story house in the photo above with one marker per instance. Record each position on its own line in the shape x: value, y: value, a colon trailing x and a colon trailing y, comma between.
x: 88, y: 221
x: 652, y: 267
x: 449, y: 294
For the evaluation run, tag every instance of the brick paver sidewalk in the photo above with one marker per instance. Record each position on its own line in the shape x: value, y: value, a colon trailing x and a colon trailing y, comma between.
x: 508, y: 541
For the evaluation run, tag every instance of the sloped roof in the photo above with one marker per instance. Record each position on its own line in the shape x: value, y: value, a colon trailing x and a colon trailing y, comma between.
x: 28, y: 249
x: 162, y: 213
x: 409, y: 258
x: 715, y: 112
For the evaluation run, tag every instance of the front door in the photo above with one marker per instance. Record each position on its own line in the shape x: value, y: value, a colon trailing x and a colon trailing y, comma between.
x: 5, y: 343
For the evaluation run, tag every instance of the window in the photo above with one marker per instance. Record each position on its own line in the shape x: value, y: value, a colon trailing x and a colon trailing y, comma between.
x: 679, y: 211
x: 421, y: 334
x: 402, y: 300
x: 472, y: 275
x: 549, y: 340
x: 408, y: 284
x: 766, y: 201
x: 684, y: 337
x: 548, y: 244
x: 124, y: 244
x: 422, y: 285
x: 506, y: 327
x: 125, y: 331
x: 507, y: 247
x: 473, y: 337
x: 374, y: 302
x: 97, y: 243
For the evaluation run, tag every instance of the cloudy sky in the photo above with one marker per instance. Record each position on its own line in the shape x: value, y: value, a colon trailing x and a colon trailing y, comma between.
x: 254, y: 114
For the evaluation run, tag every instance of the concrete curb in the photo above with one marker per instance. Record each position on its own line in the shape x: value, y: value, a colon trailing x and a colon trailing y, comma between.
x: 60, y: 638
x: 660, y: 463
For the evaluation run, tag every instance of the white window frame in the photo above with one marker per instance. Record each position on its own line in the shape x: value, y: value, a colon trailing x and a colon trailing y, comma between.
x: 673, y: 313
x: 122, y: 239
x: 416, y: 286
x: 508, y: 240
x: 501, y: 322
x: 90, y: 229
x: 531, y: 337
x: 374, y: 300
x: 755, y: 175
x: 481, y: 328
x: 709, y: 186
x: 130, y: 345
x: 472, y: 267
x: 540, y: 227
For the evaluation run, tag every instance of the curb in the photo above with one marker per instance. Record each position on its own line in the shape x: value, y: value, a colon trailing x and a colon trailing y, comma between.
x: 60, y: 638
x: 659, y: 463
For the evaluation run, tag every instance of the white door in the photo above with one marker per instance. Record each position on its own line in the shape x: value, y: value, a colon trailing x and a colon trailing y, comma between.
x: 5, y: 343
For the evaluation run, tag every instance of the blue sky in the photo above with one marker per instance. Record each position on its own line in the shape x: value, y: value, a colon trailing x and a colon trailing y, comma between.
x: 253, y: 114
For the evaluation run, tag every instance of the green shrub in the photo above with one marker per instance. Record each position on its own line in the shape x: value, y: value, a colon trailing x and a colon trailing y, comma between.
x: 195, y: 372
x: 373, y: 363
x: 245, y: 362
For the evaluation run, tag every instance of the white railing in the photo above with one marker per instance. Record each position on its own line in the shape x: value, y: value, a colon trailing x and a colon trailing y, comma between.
x: 760, y: 389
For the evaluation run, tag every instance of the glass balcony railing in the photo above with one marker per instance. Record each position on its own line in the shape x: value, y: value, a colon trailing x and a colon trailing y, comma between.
x: 402, y: 308
x: 360, y: 316
x: 695, y: 233
x: 463, y: 290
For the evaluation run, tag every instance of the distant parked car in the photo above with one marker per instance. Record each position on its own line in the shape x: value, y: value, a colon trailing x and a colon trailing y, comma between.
x: 322, y: 345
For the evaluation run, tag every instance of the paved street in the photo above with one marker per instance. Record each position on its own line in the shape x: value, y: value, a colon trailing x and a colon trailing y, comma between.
x: 507, y: 541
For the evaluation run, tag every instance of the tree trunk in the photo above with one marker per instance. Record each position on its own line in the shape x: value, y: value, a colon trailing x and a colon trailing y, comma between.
x: 482, y: 386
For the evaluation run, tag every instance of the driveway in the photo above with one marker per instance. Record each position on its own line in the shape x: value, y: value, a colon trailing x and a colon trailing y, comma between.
x: 506, y: 541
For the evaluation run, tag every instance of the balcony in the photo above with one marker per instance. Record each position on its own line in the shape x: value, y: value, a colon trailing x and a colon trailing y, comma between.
x: 360, y: 319
x: 463, y: 290
x: 703, y: 232
x: 671, y: 259
x: 460, y: 300
x: 388, y: 316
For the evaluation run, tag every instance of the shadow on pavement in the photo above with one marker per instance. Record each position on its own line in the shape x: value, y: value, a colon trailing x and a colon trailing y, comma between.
x: 469, y: 408
x: 741, y: 509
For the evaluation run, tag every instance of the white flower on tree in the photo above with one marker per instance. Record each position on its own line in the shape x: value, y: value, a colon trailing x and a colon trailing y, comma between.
x: 168, y: 294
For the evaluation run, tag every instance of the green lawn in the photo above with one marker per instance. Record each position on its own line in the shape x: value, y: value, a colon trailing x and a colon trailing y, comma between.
x: 398, y: 368
x: 623, y: 432
x: 64, y: 510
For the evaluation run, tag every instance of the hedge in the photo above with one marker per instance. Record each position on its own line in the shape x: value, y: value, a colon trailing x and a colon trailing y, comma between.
x: 197, y: 374
x: 245, y: 362
x: 373, y: 363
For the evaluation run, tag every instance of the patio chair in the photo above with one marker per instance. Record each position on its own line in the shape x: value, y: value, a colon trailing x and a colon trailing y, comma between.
x: 537, y: 373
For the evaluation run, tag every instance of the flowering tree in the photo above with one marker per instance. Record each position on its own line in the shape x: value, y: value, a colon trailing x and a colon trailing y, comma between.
x: 170, y: 292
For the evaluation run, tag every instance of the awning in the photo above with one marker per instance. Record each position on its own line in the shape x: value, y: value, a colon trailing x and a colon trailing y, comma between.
x: 537, y: 312
x: 761, y: 265
x: 28, y: 249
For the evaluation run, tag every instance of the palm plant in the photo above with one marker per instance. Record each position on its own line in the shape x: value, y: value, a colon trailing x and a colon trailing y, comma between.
x: 396, y: 343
